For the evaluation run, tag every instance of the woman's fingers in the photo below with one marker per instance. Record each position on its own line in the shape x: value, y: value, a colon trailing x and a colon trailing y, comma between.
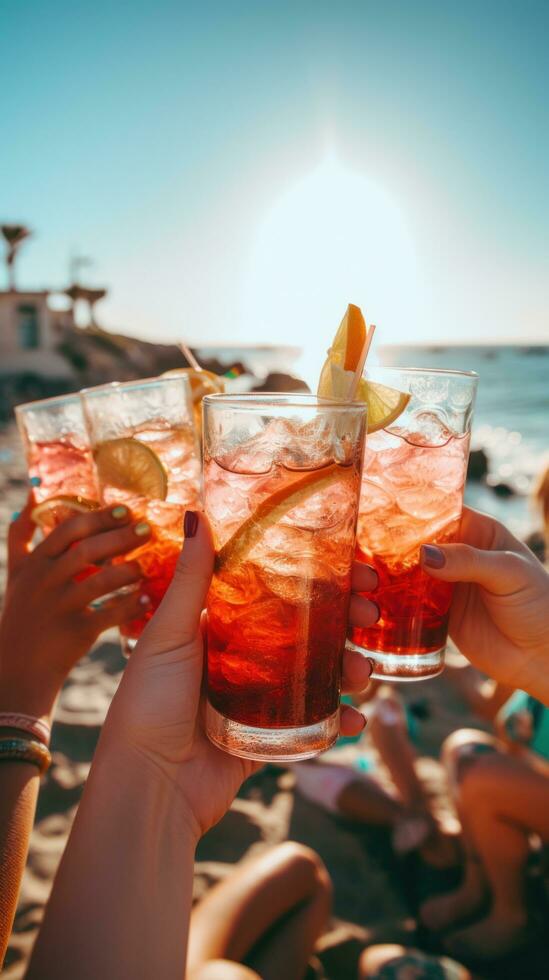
x: 499, y: 572
x: 83, y: 526
x: 363, y: 577
x: 20, y: 535
x: 79, y: 594
x: 116, y: 612
x: 351, y: 721
x: 99, y: 547
x: 362, y: 612
x: 356, y: 672
x: 177, y: 620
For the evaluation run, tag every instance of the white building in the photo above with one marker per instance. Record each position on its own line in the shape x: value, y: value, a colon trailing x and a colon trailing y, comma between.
x: 28, y: 337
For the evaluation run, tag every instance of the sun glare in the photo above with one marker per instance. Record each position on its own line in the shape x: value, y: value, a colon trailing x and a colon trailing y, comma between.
x: 333, y: 238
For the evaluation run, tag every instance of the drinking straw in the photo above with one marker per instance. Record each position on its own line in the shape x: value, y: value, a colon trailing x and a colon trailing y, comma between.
x: 187, y: 352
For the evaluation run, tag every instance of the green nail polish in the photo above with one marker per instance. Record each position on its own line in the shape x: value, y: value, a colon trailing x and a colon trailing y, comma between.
x: 142, y: 529
x: 119, y: 512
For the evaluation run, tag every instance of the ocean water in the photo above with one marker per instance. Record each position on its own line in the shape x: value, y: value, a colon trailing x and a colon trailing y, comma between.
x: 511, y: 419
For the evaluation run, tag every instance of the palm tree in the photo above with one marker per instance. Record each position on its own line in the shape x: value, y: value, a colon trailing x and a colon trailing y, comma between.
x: 13, y: 235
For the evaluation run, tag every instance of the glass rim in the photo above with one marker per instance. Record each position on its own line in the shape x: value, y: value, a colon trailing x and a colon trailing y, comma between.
x: 40, y: 403
x: 112, y: 386
x: 255, y: 400
x: 447, y: 372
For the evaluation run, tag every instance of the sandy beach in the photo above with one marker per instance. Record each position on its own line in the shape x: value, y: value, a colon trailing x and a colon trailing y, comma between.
x: 375, y: 895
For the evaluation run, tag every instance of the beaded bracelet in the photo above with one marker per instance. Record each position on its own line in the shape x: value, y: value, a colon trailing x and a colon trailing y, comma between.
x: 26, y: 723
x: 25, y: 750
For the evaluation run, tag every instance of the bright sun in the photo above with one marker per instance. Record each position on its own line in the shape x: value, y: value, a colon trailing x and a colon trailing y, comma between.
x: 333, y: 238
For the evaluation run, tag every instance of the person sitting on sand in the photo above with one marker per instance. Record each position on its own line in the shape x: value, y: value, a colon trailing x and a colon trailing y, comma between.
x: 46, y: 626
x: 501, y: 791
x: 120, y: 905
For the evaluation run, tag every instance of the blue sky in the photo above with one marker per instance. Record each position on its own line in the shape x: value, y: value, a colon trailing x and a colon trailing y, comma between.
x: 240, y: 170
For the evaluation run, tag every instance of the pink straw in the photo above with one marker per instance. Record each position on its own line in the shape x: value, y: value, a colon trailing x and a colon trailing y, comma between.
x: 187, y: 352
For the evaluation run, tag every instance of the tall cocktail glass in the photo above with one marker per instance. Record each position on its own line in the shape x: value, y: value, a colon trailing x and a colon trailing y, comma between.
x: 59, y: 458
x: 146, y: 456
x: 412, y: 493
x: 281, y: 485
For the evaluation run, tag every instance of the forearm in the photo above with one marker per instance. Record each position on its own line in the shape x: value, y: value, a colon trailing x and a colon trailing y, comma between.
x: 121, y: 900
x: 21, y: 690
x: 19, y: 783
x: 19, y: 786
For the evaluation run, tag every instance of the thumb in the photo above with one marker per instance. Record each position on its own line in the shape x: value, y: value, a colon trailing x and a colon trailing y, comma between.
x: 499, y: 572
x: 177, y: 619
x: 20, y: 535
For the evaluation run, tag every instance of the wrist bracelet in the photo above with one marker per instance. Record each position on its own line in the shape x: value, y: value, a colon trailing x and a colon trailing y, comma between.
x: 24, y: 750
x: 26, y: 723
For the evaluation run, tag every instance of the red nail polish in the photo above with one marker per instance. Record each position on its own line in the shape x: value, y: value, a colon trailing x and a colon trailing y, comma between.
x: 190, y: 524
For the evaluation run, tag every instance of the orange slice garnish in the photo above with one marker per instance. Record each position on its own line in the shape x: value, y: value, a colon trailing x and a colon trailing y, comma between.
x: 343, y: 355
x: 276, y: 506
x: 53, y: 511
x: 336, y: 378
x: 202, y: 382
x: 355, y: 335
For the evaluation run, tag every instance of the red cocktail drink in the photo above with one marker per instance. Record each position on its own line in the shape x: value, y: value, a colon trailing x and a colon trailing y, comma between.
x: 275, y: 638
x: 281, y: 488
x: 146, y: 457
x: 64, y: 468
x: 59, y: 459
x: 411, y: 494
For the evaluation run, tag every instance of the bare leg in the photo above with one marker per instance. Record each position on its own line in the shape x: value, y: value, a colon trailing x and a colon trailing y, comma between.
x: 286, y: 949
x: 366, y: 801
x: 506, y: 801
x: 443, y: 911
x: 389, y: 733
x: 460, y: 752
x: 274, y: 906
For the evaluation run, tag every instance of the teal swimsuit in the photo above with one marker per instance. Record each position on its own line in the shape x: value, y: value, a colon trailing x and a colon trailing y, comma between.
x: 520, y: 701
